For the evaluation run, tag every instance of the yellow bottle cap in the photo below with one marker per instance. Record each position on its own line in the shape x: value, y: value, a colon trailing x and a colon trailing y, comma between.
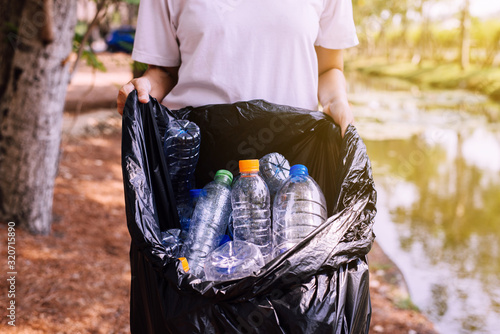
x: 248, y: 166
x: 185, y: 264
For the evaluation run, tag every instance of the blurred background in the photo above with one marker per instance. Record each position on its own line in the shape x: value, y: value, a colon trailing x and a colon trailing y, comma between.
x: 424, y: 84
x: 425, y: 87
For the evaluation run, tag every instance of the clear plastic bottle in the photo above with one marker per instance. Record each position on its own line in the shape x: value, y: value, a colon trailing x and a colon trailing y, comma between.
x: 233, y: 260
x: 172, y: 241
x: 274, y: 169
x: 209, y: 221
x: 225, y: 238
x: 185, y: 210
x: 299, y: 208
x: 250, y: 200
x: 181, y: 147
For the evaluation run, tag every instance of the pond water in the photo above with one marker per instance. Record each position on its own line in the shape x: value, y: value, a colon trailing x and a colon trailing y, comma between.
x: 436, y: 163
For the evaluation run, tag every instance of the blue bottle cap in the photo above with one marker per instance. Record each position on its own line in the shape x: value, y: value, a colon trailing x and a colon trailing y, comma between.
x: 298, y: 170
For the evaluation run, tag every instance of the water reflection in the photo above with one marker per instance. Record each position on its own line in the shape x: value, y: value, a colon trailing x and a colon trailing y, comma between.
x: 438, y: 181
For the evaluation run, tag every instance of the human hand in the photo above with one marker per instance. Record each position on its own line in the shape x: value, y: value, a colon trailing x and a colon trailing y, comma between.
x: 143, y: 86
x: 341, y: 113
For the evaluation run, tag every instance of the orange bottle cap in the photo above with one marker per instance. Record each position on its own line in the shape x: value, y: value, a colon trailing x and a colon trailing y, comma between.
x: 185, y: 264
x: 248, y: 166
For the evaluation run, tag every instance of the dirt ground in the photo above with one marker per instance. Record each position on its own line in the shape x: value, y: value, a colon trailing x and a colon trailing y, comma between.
x: 77, y: 279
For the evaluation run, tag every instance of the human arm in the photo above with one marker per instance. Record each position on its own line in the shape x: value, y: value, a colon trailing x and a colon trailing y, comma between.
x: 332, y: 89
x: 157, y: 81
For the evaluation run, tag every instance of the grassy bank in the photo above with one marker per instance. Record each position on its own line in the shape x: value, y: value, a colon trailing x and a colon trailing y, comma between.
x: 434, y: 75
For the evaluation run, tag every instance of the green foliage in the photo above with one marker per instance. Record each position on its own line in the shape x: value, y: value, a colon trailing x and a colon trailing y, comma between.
x: 87, y: 54
x: 484, y: 32
x: 435, y: 74
x: 406, y: 304
x: 81, y: 28
x: 380, y: 266
x: 10, y: 27
x: 139, y: 67
x: 11, y: 32
x: 446, y: 38
x: 91, y: 58
x: 403, y: 27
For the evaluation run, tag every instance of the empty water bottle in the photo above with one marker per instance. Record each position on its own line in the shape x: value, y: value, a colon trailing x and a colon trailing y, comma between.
x: 250, y: 200
x: 209, y: 221
x: 299, y: 208
x: 185, y: 210
x: 274, y: 169
x: 181, y: 148
x: 225, y: 238
x: 233, y: 260
x: 171, y: 240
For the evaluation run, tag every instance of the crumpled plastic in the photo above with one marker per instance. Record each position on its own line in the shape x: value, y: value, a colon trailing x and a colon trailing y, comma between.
x: 321, y: 285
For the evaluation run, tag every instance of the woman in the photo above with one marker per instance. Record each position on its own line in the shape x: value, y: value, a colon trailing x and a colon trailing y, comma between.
x: 222, y: 51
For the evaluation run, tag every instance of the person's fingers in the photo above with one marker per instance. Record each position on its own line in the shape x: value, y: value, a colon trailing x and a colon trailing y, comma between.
x: 143, y: 87
x: 342, y: 130
x: 342, y: 116
x: 122, y: 96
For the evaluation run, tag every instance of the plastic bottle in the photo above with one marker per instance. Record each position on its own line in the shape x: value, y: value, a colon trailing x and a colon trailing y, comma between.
x: 209, y: 221
x: 233, y: 260
x: 172, y: 241
x: 185, y: 210
x: 298, y: 209
x: 274, y: 169
x: 181, y: 148
x: 225, y: 238
x: 250, y: 200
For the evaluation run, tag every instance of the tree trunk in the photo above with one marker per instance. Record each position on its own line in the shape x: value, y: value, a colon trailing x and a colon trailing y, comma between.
x: 492, y: 50
x: 465, y: 37
x: 403, y: 39
x: 425, y: 33
x: 33, y: 80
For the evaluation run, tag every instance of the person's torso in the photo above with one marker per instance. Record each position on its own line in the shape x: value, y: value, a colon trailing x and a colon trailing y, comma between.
x: 233, y: 50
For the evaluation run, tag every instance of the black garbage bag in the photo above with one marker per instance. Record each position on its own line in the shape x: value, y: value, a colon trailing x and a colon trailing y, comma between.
x: 318, y: 286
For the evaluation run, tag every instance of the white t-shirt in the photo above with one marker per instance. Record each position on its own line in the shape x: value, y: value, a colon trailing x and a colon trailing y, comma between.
x: 238, y: 50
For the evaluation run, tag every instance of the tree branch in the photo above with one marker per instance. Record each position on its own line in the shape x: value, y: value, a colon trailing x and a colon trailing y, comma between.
x: 101, y: 7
